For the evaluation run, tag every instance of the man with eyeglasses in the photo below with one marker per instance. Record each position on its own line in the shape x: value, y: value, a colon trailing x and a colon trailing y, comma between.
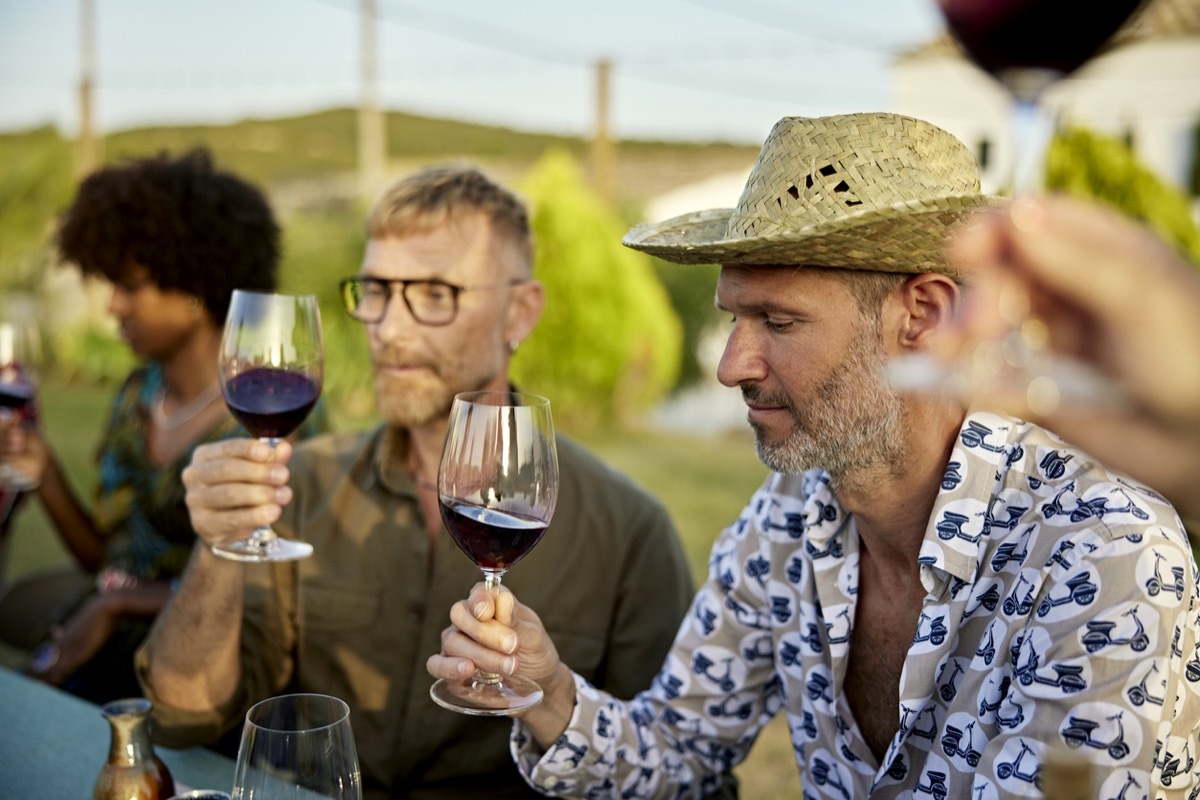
x: 445, y: 294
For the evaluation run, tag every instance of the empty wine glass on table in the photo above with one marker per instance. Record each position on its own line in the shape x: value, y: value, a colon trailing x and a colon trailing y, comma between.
x: 20, y: 356
x: 271, y: 367
x: 297, y: 746
x: 497, y: 488
x: 1026, y: 45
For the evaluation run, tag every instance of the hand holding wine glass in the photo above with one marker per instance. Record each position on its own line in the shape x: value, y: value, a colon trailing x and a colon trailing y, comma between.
x: 297, y: 746
x: 497, y: 487
x: 272, y: 367
x: 20, y: 355
x: 1026, y: 45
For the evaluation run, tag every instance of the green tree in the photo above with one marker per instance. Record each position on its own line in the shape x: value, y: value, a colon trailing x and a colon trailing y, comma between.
x: 609, y: 342
x: 1086, y: 164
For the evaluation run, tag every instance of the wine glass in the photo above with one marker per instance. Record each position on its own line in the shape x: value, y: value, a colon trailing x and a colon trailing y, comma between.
x: 297, y: 746
x: 497, y: 487
x: 271, y: 365
x: 1026, y: 45
x: 20, y: 355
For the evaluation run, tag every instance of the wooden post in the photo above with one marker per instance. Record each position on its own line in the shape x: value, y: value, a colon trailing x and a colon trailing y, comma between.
x: 603, y: 148
x: 372, y: 145
x: 86, y: 149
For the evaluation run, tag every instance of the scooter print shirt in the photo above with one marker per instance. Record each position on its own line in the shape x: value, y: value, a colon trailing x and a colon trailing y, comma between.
x: 1060, y: 614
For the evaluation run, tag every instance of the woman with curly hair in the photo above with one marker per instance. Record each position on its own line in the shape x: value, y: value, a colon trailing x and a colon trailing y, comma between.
x: 174, y: 237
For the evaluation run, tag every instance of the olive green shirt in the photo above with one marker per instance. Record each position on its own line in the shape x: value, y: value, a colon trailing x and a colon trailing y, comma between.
x: 360, y: 617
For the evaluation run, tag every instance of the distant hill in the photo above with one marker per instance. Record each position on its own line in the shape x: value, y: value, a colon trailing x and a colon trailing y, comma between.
x: 309, y: 161
x: 287, y: 150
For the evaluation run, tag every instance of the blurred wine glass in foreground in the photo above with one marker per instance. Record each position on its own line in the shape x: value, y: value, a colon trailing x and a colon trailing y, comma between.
x: 1026, y: 45
x: 20, y: 357
x: 497, y: 487
x: 272, y: 366
x: 297, y: 746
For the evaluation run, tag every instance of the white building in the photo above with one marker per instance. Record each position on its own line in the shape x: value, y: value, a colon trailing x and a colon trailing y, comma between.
x: 1145, y: 88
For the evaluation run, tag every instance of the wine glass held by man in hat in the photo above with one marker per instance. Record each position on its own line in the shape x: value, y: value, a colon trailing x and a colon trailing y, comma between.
x: 174, y: 237
x: 1113, y: 294
x: 911, y: 584
x: 445, y: 294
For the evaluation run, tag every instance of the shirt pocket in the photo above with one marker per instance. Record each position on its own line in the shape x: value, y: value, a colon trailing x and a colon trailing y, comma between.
x: 328, y: 607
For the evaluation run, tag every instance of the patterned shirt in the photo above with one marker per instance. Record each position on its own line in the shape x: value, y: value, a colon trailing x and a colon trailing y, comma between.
x: 1060, y: 613
x: 140, y: 505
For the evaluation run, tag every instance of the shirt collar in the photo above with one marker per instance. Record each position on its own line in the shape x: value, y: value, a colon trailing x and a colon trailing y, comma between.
x: 391, y: 453
x: 986, y: 446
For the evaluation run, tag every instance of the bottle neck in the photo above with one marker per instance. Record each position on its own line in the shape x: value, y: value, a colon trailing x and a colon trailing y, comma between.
x: 130, y: 742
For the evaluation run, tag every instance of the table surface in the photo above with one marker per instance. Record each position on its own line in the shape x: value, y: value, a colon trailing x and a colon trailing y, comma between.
x: 53, y: 744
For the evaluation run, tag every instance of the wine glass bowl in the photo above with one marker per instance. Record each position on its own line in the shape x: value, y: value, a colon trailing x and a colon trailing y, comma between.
x: 297, y: 746
x: 271, y: 369
x: 20, y: 356
x: 497, y: 488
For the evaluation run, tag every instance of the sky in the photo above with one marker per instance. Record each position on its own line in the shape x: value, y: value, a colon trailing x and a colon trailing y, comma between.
x: 681, y: 69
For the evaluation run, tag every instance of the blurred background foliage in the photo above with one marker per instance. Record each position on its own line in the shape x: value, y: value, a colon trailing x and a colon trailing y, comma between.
x: 609, y: 341
x: 620, y: 331
x: 1087, y: 164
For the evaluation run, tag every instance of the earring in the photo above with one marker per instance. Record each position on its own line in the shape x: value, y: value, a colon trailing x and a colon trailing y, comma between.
x: 513, y: 345
x: 195, y: 305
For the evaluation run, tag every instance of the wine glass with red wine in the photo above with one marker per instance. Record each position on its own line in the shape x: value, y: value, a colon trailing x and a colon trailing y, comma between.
x: 20, y: 355
x: 272, y: 366
x: 1026, y: 45
x: 497, y: 487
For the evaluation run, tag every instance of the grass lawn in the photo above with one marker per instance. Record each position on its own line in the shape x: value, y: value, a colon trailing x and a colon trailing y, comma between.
x: 703, y: 481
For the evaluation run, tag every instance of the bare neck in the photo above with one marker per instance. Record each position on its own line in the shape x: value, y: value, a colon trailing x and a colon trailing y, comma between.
x: 891, y: 507
x: 192, y: 369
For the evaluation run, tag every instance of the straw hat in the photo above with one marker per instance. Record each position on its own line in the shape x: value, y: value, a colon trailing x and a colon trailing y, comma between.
x: 860, y: 191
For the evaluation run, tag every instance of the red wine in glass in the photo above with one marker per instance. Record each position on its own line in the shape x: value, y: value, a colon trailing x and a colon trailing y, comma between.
x: 19, y: 351
x: 497, y: 488
x: 271, y: 403
x: 271, y: 365
x: 493, y: 540
x: 16, y: 394
x: 1054, y: 35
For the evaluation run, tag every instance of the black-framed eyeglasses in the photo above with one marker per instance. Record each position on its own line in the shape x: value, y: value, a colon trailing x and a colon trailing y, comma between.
x: 431, y: 302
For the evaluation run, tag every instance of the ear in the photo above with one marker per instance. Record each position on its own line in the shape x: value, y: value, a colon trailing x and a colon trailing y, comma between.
x: 927, y: 306
x: 524, y: 310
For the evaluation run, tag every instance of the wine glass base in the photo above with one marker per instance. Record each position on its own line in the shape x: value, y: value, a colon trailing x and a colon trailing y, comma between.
x: 468, y: 696
x: 257, y: 551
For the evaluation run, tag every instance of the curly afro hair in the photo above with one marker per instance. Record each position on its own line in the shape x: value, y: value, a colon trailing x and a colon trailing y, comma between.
x: 195, y: 229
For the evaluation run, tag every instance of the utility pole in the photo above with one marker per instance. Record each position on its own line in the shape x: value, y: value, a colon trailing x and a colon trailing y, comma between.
x: 86, y: 149
x: 372, y: 147
x: 603, y: 149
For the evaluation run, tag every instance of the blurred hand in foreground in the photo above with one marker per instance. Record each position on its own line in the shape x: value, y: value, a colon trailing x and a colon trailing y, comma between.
x: 1113, y: 295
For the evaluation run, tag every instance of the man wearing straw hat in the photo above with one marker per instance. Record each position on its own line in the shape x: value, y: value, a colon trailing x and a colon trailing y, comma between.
x: 940, y: 598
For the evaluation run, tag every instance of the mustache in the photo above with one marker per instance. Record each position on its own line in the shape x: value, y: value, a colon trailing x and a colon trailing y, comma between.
x: 753, y: 393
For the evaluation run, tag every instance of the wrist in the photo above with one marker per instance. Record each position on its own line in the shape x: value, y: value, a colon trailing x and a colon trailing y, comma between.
x: 550, y: 718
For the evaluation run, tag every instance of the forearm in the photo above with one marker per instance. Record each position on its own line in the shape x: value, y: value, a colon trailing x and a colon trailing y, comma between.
x: 192, y: 659
x: 74, y: 524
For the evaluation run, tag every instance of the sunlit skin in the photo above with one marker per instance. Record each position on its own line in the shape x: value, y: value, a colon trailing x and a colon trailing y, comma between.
x: 809, y: 364
x: 419, y: 368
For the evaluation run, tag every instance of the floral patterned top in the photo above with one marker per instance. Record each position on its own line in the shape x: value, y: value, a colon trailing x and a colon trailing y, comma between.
x: 1061, y: 613
x: 140, y: 506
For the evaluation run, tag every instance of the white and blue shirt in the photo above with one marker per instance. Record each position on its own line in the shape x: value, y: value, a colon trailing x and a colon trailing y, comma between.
x: 1060, y: 612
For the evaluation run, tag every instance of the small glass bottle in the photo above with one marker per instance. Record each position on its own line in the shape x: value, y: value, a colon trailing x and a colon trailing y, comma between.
x: 133, y: 771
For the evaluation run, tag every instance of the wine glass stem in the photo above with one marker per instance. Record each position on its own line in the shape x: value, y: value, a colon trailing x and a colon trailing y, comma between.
x: 483, y: 677
x: 264, y: 535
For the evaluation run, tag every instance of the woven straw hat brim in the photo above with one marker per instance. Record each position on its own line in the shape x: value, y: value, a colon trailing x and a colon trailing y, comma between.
x: 904, y: 238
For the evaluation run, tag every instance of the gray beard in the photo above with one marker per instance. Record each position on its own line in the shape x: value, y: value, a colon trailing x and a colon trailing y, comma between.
x: 854, y: 421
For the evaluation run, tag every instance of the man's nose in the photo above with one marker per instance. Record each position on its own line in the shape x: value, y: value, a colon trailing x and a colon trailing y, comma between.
x: 741, y: 361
